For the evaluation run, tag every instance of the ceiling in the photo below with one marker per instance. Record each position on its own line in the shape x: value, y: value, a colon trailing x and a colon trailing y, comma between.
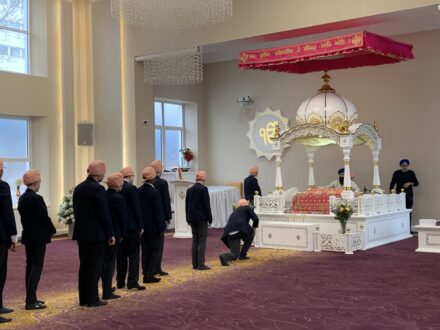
x: 392, y: 24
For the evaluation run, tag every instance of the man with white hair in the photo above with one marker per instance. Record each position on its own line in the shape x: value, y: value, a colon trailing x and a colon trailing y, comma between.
x: 198, y: 216
x: 251, y: 186
x: 238, y: 229
x: 93, y: 230
x: 8, y: 237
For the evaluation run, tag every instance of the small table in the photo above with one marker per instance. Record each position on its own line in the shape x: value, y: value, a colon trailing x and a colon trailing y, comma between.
x: 222, y: 199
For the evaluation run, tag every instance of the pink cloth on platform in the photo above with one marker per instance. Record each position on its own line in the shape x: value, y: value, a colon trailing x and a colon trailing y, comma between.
x: 314, y: 200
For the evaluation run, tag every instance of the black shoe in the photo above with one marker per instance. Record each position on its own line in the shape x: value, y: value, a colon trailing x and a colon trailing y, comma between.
x: 4, y: 320
x: 36, y: 305
x: 111, y: 296
x: 113, y: 289
x: 98, y: 303
x: 5, y: 310
x: 41, y: 301
x: 137, y: 287
x: 195, y: 267
x: 162, y: 273
x: 243, y: 257
x: 120, y: 285
x: 204, y: 268
x: 151, y: 279
x: 223, y: 261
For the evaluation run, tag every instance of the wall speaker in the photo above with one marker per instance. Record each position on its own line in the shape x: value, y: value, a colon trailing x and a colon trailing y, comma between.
x: 85, y: 134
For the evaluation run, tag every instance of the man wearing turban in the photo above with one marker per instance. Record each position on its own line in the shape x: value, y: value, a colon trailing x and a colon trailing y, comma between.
x: 339, y: 183
x: 251, y: 186
x: 238, y: 229
x: 154, y: 225
x: 128, y: 254
x: 198, y: 216
x: 93, y: 231
x: 404, y: 180
x: 8, y: 237
x: 37, y: 231
x: 118, y: 213
x: 162, y: 185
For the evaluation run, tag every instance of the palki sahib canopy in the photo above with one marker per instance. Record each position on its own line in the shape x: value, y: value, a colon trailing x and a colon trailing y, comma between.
x: 346, y: 51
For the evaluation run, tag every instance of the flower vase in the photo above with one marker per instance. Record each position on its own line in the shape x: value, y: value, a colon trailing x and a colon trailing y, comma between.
x: 343, y: 226
x: 70, y: 228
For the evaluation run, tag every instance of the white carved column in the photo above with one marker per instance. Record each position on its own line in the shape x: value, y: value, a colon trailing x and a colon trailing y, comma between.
x: 311, y: 158
x: 346, y: 143
x: 376, y: 178
x: 278, y: 178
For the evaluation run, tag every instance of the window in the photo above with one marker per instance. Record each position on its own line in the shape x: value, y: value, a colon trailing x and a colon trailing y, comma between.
x: 14, y: 36
x: 169, y: 132
x: 14, y: 150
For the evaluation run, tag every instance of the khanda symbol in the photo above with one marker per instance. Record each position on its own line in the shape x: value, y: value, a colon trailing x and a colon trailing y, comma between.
x: 269, y: 132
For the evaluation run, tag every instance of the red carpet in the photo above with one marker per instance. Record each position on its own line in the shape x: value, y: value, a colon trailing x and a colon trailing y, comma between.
x: 389, y: 287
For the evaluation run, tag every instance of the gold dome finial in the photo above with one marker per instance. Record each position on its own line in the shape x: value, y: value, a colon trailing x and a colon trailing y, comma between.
x: 326, y: 88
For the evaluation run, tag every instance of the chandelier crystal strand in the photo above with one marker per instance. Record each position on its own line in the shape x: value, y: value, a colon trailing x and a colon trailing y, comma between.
x: 182, y: 67
x: 172, y: 14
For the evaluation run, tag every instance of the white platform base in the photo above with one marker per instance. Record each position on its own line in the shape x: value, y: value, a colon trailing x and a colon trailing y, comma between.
x: 429, y: 239
x: 182, y: 235
x: 296, y: 231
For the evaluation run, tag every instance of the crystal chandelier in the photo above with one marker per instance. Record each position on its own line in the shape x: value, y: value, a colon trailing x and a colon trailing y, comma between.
x: 172, y: 14
x: 182, y: 67
x: 173, y: 55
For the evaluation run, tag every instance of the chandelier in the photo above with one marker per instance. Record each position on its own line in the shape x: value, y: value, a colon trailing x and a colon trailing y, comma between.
x: 171, y: 27
x: 172, y: 14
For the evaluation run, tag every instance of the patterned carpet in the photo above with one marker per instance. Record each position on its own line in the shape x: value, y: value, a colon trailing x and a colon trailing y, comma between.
x: 389, y: 287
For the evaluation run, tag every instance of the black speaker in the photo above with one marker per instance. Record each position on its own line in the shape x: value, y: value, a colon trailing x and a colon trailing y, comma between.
x: 85, y: 134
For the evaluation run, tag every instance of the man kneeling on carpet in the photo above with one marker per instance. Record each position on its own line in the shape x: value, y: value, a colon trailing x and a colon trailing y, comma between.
x: 238, y: 229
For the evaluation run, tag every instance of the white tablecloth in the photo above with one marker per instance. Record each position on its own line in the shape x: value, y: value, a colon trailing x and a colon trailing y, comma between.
x: 222, y: 198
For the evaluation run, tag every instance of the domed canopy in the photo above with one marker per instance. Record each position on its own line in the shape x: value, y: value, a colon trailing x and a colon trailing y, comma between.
x: 327, y: 108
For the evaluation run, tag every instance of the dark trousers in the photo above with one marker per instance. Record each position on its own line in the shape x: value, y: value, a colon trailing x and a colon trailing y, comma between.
x: 108, y: 269
x: 34, y: 267
x: 199, y: 236
x: 159, y: 258
x: 409, y: 205
x: 234, y: 245
x: 91, y: 257
x: 4, y: 248
x: 150, y: 244
x: 128, y: 257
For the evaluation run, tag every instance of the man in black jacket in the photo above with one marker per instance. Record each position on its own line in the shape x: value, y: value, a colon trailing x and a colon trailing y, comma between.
x: 162, y: 185
x: 238, y: 229
x: 37, y: 231
x: 118, y: 213
x: 93, y: 230
x: 8, y: 237
x: 154, y: 225
x: 128, y: 254
x: 251, y: 186
x: 405, y: 179
x: 198, y: 216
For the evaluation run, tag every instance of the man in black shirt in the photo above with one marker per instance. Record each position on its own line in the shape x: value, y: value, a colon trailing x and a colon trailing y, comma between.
x: 404, y: 179
x: 251, y: 186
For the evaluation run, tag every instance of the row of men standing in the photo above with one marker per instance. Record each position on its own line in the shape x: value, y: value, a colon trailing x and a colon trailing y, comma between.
x: 124, y: 219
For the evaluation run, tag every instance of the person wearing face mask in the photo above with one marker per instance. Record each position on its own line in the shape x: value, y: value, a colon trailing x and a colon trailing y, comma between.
x: 37, y: 231
x: 118, y: 213
x: 339, y: 183
x: 404, y: 180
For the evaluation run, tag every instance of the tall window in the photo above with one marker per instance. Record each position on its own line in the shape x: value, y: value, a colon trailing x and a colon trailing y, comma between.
x: 169, y: 132
x: 14, y: 150
x: 14, y: 35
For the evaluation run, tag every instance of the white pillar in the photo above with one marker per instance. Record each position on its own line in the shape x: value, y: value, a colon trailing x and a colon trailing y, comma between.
x: 346, y: 143
x: 278, y: 178
x: 182, y: 229
x: 311, y: 157
x: 376, y: 178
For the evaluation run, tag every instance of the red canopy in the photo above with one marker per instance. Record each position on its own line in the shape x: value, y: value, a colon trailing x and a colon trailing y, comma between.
x: 347, y: 51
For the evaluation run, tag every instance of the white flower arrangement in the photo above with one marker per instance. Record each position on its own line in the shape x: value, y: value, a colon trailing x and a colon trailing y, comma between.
x: 65, y: 210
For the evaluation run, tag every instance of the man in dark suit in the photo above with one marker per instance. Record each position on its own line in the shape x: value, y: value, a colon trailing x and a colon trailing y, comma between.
x: 8, y: 237
x: 37, y: 231
x: 162, y: 185
x: 118, y: 213
x: 198, y: 216
x: 251, y: 186
x: 93, y: 230
x: 128, y: 254
x: 154, y: 225
x: 238, y: 229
